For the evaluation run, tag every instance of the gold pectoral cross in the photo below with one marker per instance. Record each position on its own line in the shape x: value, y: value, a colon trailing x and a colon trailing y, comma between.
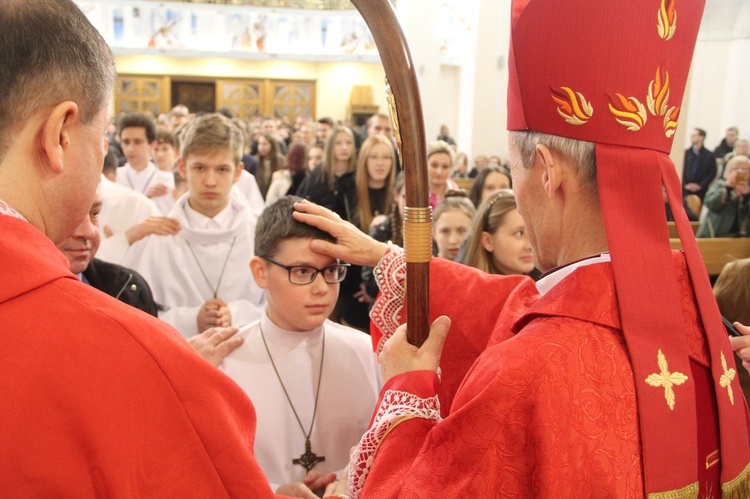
x: 309, y: 459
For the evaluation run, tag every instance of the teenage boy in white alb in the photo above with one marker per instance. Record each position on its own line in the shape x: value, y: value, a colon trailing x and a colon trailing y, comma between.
x: 314, y: 383
x: 201, y: 275
x: 138, y: 140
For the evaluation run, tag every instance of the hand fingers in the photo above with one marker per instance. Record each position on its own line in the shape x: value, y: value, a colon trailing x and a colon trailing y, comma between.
x: 223, y: 334
x: 320, y: 481
x: 331, y: 249
x: 107, y: 231
x: 315, y: 209
x: 326, y: 224
x: 226, y: 347
x: 742, y: 328
x: 433, y: 345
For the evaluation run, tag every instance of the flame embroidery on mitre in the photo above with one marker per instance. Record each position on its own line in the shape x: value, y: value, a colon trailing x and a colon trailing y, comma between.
x: 667, y: 20
x: 572, y: 106
x: 670, y: 121
x: 629, y: 112
x: 658, y: 93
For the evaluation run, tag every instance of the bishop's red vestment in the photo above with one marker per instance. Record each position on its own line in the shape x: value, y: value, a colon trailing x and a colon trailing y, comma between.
x: 548, y: 409
x: 100, y: 399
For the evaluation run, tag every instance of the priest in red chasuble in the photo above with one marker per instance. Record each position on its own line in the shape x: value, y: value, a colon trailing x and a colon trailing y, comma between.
x: 612, y: 376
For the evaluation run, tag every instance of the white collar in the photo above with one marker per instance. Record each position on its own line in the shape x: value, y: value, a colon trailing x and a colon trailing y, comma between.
x: 291, y: 339
x: 549, y: 281
x: 146, y: 171
x: 222, y: 220
x: 6, y: 209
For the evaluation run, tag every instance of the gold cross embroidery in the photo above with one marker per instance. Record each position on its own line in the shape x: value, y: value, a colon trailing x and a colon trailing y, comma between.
x: 726, y: 379
x: 666, y: 379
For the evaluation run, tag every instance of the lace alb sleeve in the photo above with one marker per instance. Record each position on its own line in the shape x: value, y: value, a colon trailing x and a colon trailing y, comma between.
x: 390, y: 274
x: 395, y: 408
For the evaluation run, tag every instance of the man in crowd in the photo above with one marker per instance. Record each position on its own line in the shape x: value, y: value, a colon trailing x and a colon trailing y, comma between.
x: 122, y: 283
x: 98, y: 399
x: 699, y: 169
x: 612, y: 376
x: 727, y: 143
x: 379, y: 124
x: 137, y: 134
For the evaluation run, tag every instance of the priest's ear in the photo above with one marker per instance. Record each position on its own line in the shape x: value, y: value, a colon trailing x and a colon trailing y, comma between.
x: 260, y: 272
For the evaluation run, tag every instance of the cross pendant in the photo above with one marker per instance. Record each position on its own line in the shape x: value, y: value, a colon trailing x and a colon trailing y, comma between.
x: 309, y: 459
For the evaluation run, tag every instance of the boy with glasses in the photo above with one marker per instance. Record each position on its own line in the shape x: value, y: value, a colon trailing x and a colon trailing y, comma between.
x: 314, y: 383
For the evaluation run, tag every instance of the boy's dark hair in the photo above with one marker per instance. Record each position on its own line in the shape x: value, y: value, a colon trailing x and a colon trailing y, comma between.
x: 276, y: 224
x: 166, y: 137
x: 137, y: 120
x: 326, y: 121
x: 110, y: 162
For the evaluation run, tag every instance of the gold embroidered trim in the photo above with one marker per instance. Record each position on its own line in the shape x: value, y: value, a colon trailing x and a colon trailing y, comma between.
x: 738, y: 487
x: 689, y: 492
x: 712, y: 459
x: 666, y: 379
x: 725, y: 381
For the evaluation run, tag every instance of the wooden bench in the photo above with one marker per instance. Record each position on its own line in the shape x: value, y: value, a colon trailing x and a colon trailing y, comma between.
x: 719, y: 251
x: 464, y: 183
x: 673, y: 228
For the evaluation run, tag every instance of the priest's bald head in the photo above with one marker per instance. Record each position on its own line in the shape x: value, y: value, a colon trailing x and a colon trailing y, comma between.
x: 56, y: 77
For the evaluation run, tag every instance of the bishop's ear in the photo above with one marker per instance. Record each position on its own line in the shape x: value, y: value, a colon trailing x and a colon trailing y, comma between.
x: 551, y: 169
x: 259, y: 268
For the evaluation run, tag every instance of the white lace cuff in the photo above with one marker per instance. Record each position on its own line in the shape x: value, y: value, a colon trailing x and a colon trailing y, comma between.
x: 390, y: 274
x: 396, y: 407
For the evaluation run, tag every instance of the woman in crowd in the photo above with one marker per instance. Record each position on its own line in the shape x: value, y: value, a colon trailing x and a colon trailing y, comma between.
x: 390, y: 228
x: 287, y: 180
x: 728, y: 202
x: 451, y: 223
x: 439, y: 164
x: 499, y: 243
x: 489, y: 180
x: 269, y: 160
x: 374, y: 187
x: 331, y: 183
x: 374, y: 181
x: 315, y: 155
x: 460, y: 166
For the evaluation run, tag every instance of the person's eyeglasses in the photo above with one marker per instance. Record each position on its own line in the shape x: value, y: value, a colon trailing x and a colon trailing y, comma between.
x: 304, y: 274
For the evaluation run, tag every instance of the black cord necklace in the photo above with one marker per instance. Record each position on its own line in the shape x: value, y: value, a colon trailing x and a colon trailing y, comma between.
x: 308, y: 459
x: 223, y: 268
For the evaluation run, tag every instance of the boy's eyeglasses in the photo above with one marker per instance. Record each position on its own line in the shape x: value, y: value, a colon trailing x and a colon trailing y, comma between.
x: 304, y: 274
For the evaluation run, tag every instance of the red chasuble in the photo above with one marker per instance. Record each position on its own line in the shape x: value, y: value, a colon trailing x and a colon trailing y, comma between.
x: 549, y: 408
x: 100, y: 399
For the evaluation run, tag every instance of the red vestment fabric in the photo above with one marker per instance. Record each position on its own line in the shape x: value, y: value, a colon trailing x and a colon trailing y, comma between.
x: 473, y: 299
x: 549, y: 408
x: 100, y: 399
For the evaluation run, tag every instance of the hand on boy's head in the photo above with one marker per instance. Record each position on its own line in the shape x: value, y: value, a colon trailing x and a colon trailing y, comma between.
x: 352, y: 245
x: 216, y: 343
x: 214, y: 312
x: 157, y: 190
x: 399, y: 356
